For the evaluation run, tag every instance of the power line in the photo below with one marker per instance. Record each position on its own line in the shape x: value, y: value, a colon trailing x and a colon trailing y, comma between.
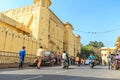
x: 107, y: 31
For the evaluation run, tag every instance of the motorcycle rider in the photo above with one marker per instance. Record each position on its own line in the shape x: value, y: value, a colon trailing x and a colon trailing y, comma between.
x: 64, y: 58
x: 92, y: 58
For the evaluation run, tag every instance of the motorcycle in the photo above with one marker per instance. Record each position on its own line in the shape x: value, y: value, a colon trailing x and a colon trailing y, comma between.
x: 92, y: 63
x: 65, y: 64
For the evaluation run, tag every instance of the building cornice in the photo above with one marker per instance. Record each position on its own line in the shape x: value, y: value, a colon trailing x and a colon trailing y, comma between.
x: 12, y: 22
x: 68, y: 24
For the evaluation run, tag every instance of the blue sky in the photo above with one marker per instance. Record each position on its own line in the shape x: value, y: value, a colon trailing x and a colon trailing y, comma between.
x: 86, y: 16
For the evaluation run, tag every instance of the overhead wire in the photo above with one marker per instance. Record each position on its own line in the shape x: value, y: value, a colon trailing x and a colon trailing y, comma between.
x: 107, y: 31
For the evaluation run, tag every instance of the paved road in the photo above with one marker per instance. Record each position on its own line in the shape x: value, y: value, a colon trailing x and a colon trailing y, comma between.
x: 56, y: 73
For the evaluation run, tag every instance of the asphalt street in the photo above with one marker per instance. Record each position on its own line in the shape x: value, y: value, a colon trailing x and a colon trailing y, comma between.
x: 57, y: 73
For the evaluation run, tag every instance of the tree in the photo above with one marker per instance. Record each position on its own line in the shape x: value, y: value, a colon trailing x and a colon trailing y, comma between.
x: 96, y: 48
x: 86, y: 51
x: 96, y: 44
x: 92, y: 47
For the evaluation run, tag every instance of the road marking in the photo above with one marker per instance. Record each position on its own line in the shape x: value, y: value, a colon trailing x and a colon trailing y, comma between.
x: 60, y: 72
x: 33, y: 77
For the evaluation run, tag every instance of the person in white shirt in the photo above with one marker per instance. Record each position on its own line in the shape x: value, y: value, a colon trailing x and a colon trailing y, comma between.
x: 39, y: 54
x: 64, y: 55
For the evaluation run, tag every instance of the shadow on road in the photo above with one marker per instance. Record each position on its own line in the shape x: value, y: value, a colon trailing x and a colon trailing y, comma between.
x: 47, y: 77
x: 97, y: 68
x: 71, y: 68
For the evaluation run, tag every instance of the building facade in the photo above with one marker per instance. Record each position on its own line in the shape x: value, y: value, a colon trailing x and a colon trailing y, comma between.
x: 36, y: 25
x: 105, y: 51
x: 117, y: 44
x: 71, y: 41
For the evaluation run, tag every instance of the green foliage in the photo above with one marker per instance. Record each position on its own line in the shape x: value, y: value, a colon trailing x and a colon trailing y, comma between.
x: 86, y: 51
x: 96, y: 44
x: 92, y: 47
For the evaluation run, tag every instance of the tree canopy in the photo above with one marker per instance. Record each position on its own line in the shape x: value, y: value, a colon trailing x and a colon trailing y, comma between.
x: 92, y: 47
x: 86, y: 51
x: 96, y: 44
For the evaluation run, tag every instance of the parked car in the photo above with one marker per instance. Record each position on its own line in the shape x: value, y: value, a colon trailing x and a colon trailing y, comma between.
x: 87, y: 61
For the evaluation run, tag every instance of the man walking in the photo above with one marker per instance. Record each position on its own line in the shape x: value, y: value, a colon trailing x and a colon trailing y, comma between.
x: 109, y: 60
x: 22, y: 54
x: 78, y: 61
x: 39, y: 55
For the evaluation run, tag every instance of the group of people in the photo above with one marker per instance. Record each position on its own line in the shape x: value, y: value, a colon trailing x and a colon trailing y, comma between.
x: 40, y: 53
x: 39, y: 56
x: 64, y: 56
x: 113, y: 60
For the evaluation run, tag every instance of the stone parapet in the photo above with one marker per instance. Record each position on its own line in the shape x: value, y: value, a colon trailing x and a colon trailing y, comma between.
x: 12, y: 41
x: 6, y: 19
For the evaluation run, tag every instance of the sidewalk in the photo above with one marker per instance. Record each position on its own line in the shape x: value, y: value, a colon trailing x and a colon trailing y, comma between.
x: 4, y: 66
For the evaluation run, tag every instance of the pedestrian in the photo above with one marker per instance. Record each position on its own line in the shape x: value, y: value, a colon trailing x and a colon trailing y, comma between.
x: 109, y: 57
x: 78, y: 61
x: 39, y: 55
x: 22, y: 54
x: 58, y: 59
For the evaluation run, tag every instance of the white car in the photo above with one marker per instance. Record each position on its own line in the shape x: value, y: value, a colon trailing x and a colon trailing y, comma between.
x: 87, y: 61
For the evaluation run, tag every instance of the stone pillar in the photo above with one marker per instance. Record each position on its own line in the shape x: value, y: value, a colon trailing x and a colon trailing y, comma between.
x: 2, y: 38
x: 25, y: 42
x: 34, y: 46
x: 29, y: 45
x: 37, y: 45
x: 8, y: 41
x: 20, y: 41
x: 15, y: 43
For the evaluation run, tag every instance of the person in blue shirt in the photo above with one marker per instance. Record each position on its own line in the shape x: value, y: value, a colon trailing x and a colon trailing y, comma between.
x: 91, y: 57
x: 22, y: 54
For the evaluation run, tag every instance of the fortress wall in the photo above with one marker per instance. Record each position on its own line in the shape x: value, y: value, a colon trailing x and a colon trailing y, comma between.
x: 19, y: 11
x: 34, y: 46
x: 14, y: 47
x: 25, y: 42
x: 2, y: 38
x: 29, y: 45
x: 8, y: 40
x: 11, y: 41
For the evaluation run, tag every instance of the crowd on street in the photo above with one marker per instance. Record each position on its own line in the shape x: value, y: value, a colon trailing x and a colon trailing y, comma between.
x: 47, y: 58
